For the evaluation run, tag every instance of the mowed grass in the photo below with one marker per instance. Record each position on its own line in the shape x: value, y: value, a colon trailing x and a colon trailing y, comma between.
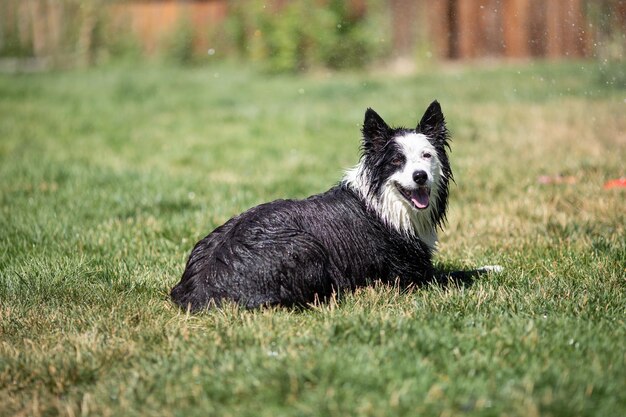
x: 109, y: 176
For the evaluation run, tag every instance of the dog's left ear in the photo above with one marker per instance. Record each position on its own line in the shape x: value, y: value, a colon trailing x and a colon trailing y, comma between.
x: 433, y: 124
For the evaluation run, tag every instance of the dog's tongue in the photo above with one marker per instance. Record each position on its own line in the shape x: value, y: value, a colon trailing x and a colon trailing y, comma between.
x: 420, y: 197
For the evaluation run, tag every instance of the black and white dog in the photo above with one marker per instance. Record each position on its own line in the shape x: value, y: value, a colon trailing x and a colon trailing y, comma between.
x: 379, y: 223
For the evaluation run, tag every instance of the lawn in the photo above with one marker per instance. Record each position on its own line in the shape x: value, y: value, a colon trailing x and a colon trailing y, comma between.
x: 109, y: 176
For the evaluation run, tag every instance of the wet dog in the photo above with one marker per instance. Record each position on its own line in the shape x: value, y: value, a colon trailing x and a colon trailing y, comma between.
x: 379, y: 223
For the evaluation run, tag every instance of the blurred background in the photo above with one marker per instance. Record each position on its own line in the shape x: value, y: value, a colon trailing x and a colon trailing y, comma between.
x: 304, y: 35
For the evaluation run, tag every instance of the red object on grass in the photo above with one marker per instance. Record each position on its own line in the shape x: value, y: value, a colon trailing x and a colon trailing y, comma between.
x: 618, y: 183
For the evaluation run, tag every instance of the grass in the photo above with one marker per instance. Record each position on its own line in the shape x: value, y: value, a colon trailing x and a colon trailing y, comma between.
x: 109, y: 176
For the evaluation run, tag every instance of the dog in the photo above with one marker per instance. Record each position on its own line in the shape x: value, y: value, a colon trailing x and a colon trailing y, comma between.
x: 379, y: 223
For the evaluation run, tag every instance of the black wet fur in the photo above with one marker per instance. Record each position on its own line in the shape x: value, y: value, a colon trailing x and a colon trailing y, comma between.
x: 294, y: 252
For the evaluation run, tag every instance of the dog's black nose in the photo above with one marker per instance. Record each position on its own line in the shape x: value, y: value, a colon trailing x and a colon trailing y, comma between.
x: 420, y: 177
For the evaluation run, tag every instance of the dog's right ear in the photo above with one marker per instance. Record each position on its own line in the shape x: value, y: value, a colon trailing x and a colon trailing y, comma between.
x: 376, y: 132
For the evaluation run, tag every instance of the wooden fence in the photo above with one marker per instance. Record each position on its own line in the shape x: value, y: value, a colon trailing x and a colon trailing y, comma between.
x: 508, y: 28
x: 152, y: 21
x: 449, y: 29
x: 454, y: 29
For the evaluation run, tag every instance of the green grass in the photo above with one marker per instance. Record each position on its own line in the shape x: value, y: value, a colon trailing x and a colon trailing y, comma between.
x: 109, y: 176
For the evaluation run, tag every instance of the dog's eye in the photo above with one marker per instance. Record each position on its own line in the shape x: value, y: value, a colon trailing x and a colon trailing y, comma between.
x: 397, y: 161
x: 427, y: 155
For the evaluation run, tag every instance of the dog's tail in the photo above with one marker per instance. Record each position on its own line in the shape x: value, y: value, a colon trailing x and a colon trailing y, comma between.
x: 470, y: 275
x: 496, y: 269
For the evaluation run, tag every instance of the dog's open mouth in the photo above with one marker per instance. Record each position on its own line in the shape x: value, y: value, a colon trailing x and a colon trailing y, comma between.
x: 419, y: 197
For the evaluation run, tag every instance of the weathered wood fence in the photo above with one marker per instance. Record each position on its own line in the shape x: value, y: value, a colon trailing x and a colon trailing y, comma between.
x: 151, y: 21
x: 449, y: 29
x: 456, y: 29
x: 509, y: 28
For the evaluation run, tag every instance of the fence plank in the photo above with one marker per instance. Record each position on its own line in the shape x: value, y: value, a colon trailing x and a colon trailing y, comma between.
x: 515, y: 28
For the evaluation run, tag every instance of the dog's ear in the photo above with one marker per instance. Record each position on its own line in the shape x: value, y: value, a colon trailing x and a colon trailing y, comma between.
x: 376, y: 132
x: 433, y: 123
